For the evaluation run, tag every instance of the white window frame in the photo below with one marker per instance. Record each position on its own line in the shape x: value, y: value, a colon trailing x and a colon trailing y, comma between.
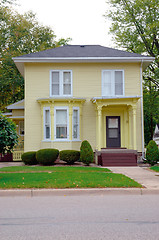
x: 78, y: 132
x: 44, y: 126
x: 60, y: 83
x: 61, y: 108
x: 19, y: 128
x: 112, y: 82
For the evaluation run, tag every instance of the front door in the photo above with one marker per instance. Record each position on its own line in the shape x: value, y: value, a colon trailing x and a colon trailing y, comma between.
x: 113, y: 131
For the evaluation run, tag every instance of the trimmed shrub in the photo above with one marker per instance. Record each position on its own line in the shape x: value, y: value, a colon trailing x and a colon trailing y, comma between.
x: 29, y: 158
x: 47, y: 156
x: 70, y: 156
x: 152, y: 153
x: 86, y: 153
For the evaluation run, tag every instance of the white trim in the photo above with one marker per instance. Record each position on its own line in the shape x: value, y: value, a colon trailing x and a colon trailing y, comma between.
x: 58, y: 59
x: 115, y: 97
x: 44, y: 109
x: 12, y: 106
x: 142, y: 114
x: 61, y: 71
x: 61, y: 108
x: 113, y: 82
x: 78, y: 133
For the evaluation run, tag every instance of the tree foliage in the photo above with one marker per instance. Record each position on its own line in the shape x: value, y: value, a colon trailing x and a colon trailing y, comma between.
x: 20, y: 34
x: 8, y: 135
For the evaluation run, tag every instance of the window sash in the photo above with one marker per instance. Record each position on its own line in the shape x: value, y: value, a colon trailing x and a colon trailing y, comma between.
x: 113, y: 83
x: 61, y: 83
x: 47, y: 126
x: 75, y: 124
x: 61, y: 124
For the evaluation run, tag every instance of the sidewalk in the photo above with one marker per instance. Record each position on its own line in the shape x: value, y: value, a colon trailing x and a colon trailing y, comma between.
x: 149, y: 179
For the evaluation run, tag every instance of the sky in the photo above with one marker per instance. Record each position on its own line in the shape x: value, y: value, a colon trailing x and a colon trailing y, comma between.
x: 81, y: 20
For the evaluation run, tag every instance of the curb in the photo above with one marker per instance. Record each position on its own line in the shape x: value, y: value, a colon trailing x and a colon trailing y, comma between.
x: 76, y: 192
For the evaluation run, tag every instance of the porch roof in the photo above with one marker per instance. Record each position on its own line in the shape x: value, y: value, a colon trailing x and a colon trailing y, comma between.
x: 115, y: 100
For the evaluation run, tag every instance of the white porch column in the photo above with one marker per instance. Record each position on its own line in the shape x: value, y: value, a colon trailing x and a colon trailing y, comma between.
x: 134, y: 127
x: 130, y: 129
x: 99, y: 127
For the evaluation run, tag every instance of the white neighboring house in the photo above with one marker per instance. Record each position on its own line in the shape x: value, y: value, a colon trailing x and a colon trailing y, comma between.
x: 156, y: 135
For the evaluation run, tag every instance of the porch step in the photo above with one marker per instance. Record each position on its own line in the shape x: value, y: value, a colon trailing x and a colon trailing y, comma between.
x: 121, y: 157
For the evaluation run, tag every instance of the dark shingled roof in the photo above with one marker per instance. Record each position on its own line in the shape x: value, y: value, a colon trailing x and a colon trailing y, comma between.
x: 76, y: 51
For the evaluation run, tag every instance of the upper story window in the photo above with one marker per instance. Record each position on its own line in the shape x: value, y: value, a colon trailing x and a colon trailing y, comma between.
x: 112, y: 82
x: 61, y: 83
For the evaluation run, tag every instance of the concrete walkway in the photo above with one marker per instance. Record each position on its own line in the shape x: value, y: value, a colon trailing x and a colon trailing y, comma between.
x: 142, y: 175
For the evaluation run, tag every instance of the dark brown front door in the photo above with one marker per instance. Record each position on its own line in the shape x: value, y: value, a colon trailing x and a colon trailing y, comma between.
x: 113, y: 131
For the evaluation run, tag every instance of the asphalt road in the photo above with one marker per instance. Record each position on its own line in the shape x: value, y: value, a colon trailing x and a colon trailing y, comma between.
x: 121, y: 217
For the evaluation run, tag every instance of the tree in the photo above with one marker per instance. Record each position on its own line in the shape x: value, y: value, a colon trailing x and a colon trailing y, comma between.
x: 20, y: 34
x: 8, y: 135
x: 135, y: 27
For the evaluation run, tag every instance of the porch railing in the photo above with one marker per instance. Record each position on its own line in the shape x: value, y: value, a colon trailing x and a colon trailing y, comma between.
x: 17, y: 155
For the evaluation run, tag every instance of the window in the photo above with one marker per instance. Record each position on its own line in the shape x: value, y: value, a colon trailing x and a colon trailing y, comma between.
x: 47, y: 132
x: 112, y: 82
x: 21, y: 128
x: 61, y: 83
x: 75, y: 124
x: 61, y: 123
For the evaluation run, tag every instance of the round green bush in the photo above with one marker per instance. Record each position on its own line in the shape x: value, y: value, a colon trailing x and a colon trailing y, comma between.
x: 47, y: 156
x: 86, y: 153
x: 29, y: 158
x: 152, y: 153
x: 70, y: 156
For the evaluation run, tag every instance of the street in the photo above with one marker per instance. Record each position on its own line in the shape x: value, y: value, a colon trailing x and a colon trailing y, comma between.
x: 88, y: 217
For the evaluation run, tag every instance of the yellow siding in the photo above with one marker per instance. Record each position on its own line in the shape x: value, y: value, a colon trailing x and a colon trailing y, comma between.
x: 17, y: 112
x: 86, y: 84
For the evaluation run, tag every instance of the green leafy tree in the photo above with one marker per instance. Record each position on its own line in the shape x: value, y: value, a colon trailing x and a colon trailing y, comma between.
x: 20, y: 34
x: 135, y: 28
x: 8, y: 135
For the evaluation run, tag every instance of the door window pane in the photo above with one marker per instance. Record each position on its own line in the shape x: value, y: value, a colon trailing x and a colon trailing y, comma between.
x: 113, y: 133
x: 112, y: 123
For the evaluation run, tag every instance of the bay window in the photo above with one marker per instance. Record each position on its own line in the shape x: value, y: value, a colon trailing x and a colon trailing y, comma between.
x: 75, y: 124
x: 61, y: 123
x: 47, y: 132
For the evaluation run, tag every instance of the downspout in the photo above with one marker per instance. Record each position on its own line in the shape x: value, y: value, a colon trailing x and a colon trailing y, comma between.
x: 142, y: 114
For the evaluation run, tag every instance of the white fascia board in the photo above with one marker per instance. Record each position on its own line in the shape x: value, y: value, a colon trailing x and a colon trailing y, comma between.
x: 79, y: 59
x: 13, y: 106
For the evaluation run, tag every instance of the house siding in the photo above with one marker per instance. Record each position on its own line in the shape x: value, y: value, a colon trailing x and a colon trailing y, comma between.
x: 87, y: 82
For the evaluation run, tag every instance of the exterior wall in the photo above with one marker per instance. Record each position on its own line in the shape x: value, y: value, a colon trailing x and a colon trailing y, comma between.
x: 17, y: 112
x: 86, y: 84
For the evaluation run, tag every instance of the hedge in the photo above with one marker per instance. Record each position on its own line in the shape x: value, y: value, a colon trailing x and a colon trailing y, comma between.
x: 70, y: 156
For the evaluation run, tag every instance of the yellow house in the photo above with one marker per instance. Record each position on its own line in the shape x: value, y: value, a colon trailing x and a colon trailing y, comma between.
x: 91, y: 92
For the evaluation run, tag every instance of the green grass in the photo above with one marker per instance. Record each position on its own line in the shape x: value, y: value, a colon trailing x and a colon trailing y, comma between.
x: 53, y: 169
x: 62, y: 177
x: 155, y: 168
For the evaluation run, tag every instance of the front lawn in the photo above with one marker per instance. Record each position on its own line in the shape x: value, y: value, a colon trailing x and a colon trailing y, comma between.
x: 62, y: 177
x: 155, y: 168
